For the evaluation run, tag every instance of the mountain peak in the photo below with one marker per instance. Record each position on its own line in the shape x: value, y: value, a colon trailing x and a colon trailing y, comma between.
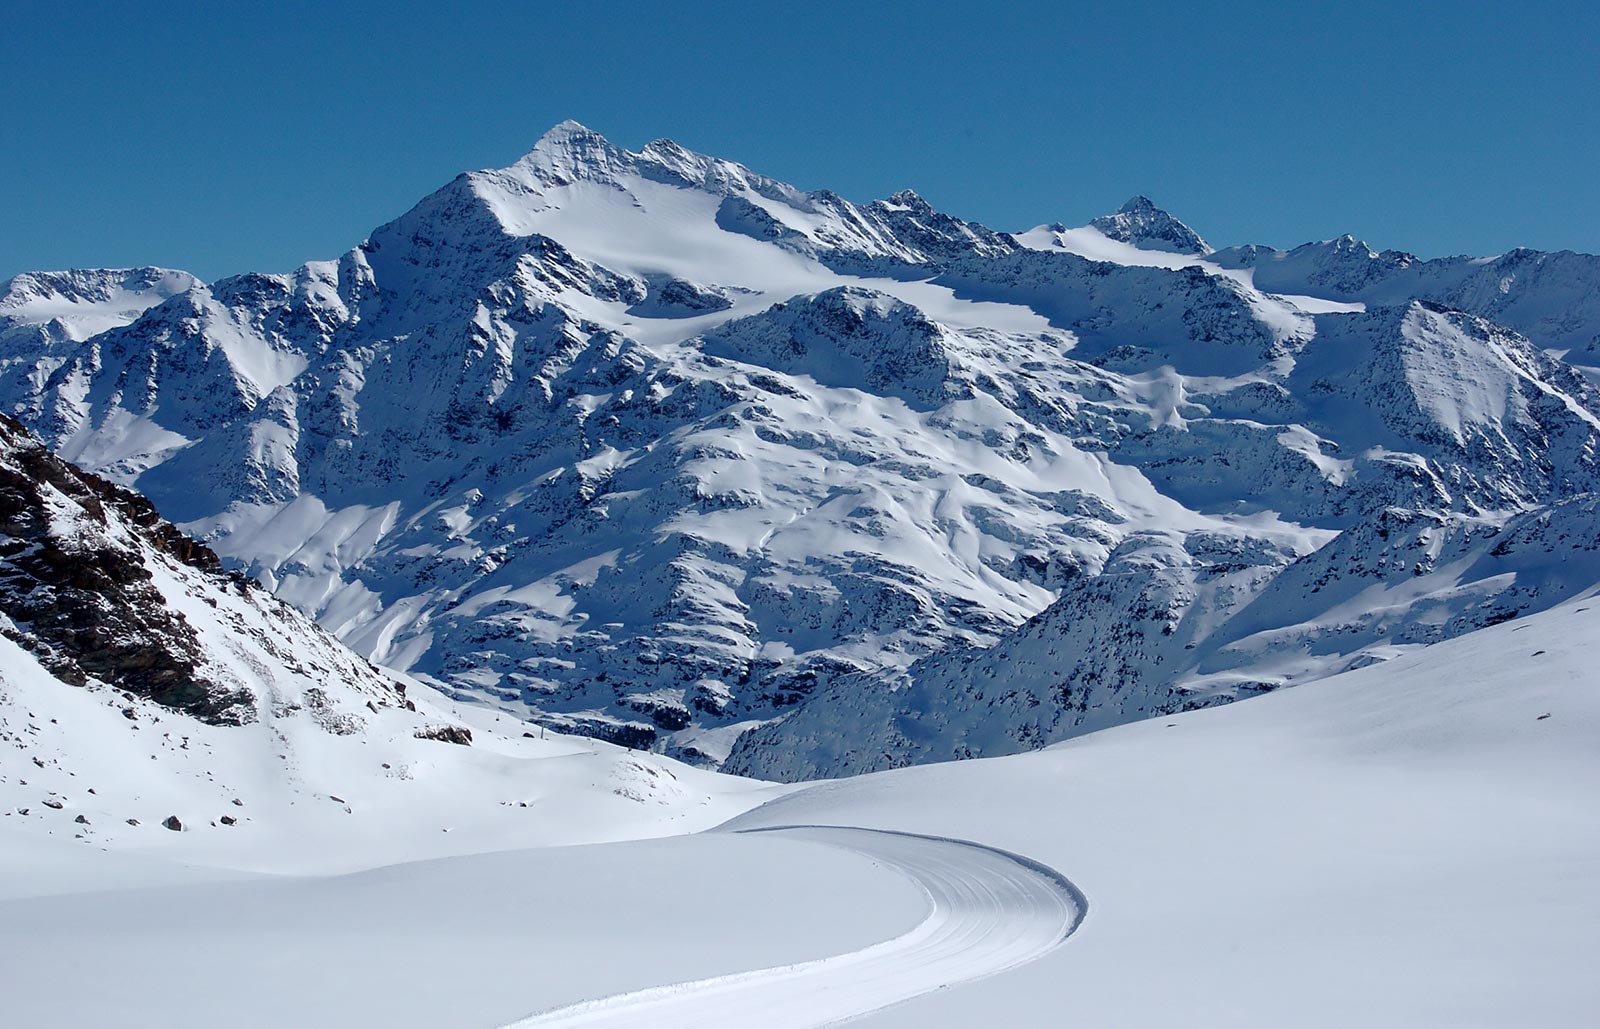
x: 567, y: 129
x: 1141, y: 223
x: 571, y: 150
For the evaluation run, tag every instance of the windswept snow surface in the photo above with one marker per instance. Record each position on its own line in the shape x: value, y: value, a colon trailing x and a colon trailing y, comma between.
x: 989, y: 912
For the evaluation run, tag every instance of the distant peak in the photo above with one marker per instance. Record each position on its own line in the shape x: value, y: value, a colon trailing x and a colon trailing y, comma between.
x: 1141, y: 223
x: 568, y: 129
x: 567, y: 141
x: 570, y: 151
x: 665, y: 145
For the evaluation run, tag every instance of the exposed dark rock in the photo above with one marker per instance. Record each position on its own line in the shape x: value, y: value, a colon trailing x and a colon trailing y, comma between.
x: 86, y: 597
x: 172, y: 822
x: 446, y: 734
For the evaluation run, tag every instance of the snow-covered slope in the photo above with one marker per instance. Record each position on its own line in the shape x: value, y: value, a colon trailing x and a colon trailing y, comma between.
x: 1411, y: 844
x: 654, y: 448
x: 150, y: 701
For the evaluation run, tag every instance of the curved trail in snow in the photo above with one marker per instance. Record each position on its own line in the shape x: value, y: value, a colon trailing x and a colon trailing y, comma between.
x: 990, y: 911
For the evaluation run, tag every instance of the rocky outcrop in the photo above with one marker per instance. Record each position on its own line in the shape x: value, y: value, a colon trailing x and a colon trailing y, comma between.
x: 74, y: 585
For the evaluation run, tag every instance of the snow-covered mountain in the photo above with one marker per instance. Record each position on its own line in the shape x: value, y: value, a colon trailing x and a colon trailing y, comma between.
x: 98, y: 589
x: 40, y: 307
x: 1549, y: 297
x: 1142, y: 224
x: 651, y: 447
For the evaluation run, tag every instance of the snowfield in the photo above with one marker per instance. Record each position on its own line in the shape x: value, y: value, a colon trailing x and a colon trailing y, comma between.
x: 1410, y: 844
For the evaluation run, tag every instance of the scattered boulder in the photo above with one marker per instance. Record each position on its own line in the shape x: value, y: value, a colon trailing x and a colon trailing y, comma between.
x: 173, y: 823
x: 133, y: 821
x: 229, y: 820
x: 53, y: 802
x: 456, y: 734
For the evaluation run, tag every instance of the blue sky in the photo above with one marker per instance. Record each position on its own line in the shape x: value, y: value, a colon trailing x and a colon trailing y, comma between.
x: 229, y: 137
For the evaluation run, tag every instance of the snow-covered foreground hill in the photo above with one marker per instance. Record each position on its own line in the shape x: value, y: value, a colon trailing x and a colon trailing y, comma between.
x: 653, y: 448
x: 1410, y: 844
x: 151, y: 703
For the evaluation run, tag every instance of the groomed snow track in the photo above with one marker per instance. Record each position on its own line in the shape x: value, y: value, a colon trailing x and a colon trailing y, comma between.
x: 990, y: 911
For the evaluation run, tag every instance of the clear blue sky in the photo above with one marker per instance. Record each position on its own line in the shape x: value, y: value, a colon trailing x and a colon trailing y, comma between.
x: 224, y: 137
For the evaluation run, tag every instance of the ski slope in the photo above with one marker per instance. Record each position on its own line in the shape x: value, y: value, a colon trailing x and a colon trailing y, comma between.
x: 990, y: 911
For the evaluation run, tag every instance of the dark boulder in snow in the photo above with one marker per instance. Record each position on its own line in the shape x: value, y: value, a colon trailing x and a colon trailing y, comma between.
x: 456, y: 734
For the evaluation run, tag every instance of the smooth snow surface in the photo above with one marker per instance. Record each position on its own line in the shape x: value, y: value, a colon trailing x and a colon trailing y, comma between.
x: 1412, y: 844
x: 990, y: 912
x: 465, y: 943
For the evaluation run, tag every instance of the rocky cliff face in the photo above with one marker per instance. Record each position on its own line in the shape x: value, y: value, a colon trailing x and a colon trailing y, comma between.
x: 74, y: 585
x: 103, y: 592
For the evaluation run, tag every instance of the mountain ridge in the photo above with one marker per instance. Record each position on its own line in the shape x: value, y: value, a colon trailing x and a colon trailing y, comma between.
x: 651, y: 447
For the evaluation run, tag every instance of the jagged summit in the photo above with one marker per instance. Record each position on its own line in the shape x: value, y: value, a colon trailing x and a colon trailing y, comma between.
x: 1144, y: 225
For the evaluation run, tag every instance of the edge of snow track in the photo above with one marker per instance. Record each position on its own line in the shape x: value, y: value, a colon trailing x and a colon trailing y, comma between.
x: 989, y: 911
